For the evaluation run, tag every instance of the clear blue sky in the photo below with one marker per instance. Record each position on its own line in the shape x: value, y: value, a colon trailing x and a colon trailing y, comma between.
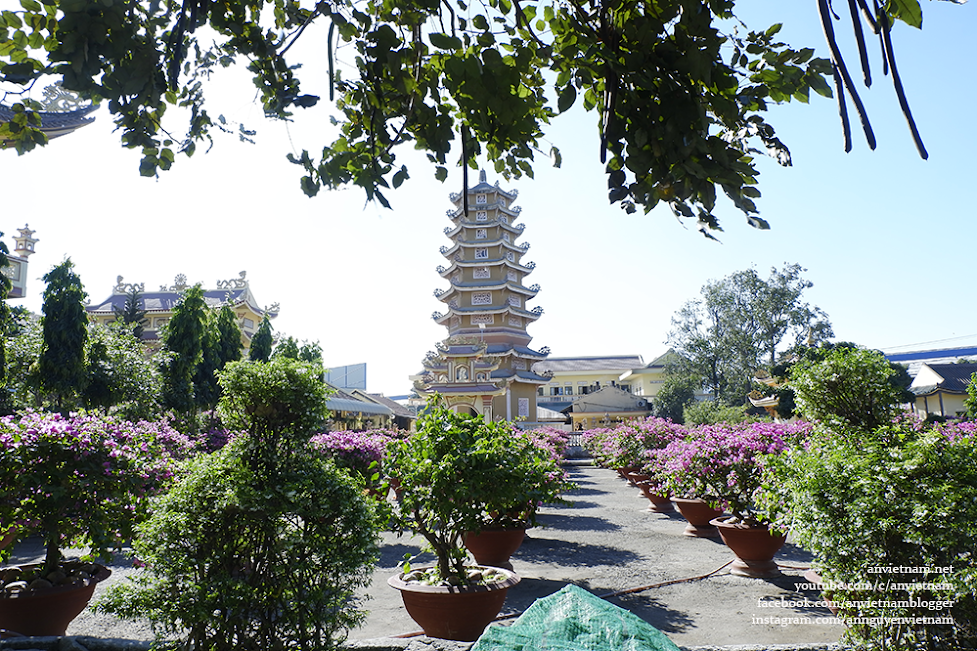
x: 885, y: 237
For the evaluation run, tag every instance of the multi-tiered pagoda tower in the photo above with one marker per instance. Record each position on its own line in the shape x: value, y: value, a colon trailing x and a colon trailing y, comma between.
x: 485, y: 366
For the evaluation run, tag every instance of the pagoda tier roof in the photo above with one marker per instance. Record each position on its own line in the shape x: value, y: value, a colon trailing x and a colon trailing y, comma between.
x: 56, y: 123
x: 454, y: 389
x: 445, y: 272
x: 520, y: 376
x: 166, y: 301
x: 448, y: 252
x: 488, y: 284
x: 509, y: 226
x: 487, y: 309
x: 500, y: 350
x: 459, y: 209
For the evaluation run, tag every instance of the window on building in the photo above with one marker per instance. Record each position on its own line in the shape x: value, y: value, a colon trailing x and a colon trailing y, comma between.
x: 481, y: 254
x: 481, y: 272
x: 556, y: 391
x: 510, y: 256
x: 568, y: 391
x: 481, y: 198
x: 512, y: 276
x: 481, y: 216
x: 481, y: 234
x: 482, y: 298
x: 624, y: 387
x: 515, y: 301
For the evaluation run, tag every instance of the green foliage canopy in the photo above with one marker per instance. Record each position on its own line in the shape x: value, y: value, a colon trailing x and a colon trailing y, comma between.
x: 183, y: 337
x: 65, y: 332
x: 847, y: 387
x: 738, y: 326
x: 261, y: 343
x: 679, y: 96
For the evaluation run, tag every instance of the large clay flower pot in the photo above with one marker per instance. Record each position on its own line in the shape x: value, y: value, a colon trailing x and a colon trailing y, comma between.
x: 659, y: 503
x: 493, y: 547
x: 699, y: 514
x: 754, y: 546
x: 454, y: 612
x: 47, y: 611
x: 7, y: 535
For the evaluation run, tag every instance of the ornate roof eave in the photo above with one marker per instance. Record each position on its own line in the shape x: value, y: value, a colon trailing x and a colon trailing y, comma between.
x: 455, y: 264
x: 467, y: 389
x: 522, y: 289
x: 451, y: 231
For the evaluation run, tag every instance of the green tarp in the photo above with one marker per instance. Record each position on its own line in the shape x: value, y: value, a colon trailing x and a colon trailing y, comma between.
x: 575, y: 620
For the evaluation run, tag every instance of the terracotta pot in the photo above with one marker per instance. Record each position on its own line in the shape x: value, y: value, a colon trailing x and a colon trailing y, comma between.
x: 47, y: 612
x: 659, y: 503
x: 636, y: 477
x: 493, y: 547
x: 699, y: 515
x: 454, y: 612
x: 814, y: 577
x: 8, y: 535
x: 626, y: 472
x: 754, y: 546
x: 395, y: 484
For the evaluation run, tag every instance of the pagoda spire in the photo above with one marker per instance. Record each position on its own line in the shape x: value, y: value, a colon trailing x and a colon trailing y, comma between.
x: 485, y: 365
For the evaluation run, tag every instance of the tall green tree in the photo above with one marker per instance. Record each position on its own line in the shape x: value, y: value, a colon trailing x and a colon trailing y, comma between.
x: 739, y: 325
x: 206, y: 390
x: 290, y: 348
x: 131, y: 314
x: 5, y: 286
x: 183, y: 337
x: 680, y: 89
x: 262, y: 342
x: 62, y: 368
x: 228, y: 337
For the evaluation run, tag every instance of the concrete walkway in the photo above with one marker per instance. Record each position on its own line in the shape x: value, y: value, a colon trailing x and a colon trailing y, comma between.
x: 606, y: 542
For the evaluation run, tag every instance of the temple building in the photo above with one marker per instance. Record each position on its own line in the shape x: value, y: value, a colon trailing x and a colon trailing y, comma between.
x: 485, y: 366
x: 63, y: 112
x: 16, y: 269
x: 159, y: 305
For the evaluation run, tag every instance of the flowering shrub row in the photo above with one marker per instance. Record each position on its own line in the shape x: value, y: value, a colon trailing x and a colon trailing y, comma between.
x: 84, y: 479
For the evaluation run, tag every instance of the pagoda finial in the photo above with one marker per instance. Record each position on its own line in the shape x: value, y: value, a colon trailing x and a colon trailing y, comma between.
x: 481, y: 176
x: 24, y: 243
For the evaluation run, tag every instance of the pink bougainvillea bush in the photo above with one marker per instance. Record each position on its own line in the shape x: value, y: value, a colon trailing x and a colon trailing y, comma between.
x: 361, y: 452
x: 552, y: 439
x: 625, y: 446
x: 723, y: 463
x: 83, y: 480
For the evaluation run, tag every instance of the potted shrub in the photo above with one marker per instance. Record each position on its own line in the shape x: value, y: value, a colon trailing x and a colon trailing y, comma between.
x: 722, y: 465
x: 459, y: 473
x: 889, y: 514
x: 262, y: 544
x: 535, y: 478
x: 80, y: 481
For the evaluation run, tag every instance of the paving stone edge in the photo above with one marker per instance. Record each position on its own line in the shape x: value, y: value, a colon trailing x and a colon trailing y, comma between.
x: 84, y: 643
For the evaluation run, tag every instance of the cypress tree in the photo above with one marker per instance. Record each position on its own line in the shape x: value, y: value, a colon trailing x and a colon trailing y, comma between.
x: 261, y: 342
x: 5, y: 286
x: 228, y: 337
x: 132, y: 313
x: 65, y: 331
x: 206, y: 389
x: 184, y: 338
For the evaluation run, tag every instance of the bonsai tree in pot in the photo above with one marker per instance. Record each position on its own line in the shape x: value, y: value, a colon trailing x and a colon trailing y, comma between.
x: 459, y: 473
x: 77, y: 482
